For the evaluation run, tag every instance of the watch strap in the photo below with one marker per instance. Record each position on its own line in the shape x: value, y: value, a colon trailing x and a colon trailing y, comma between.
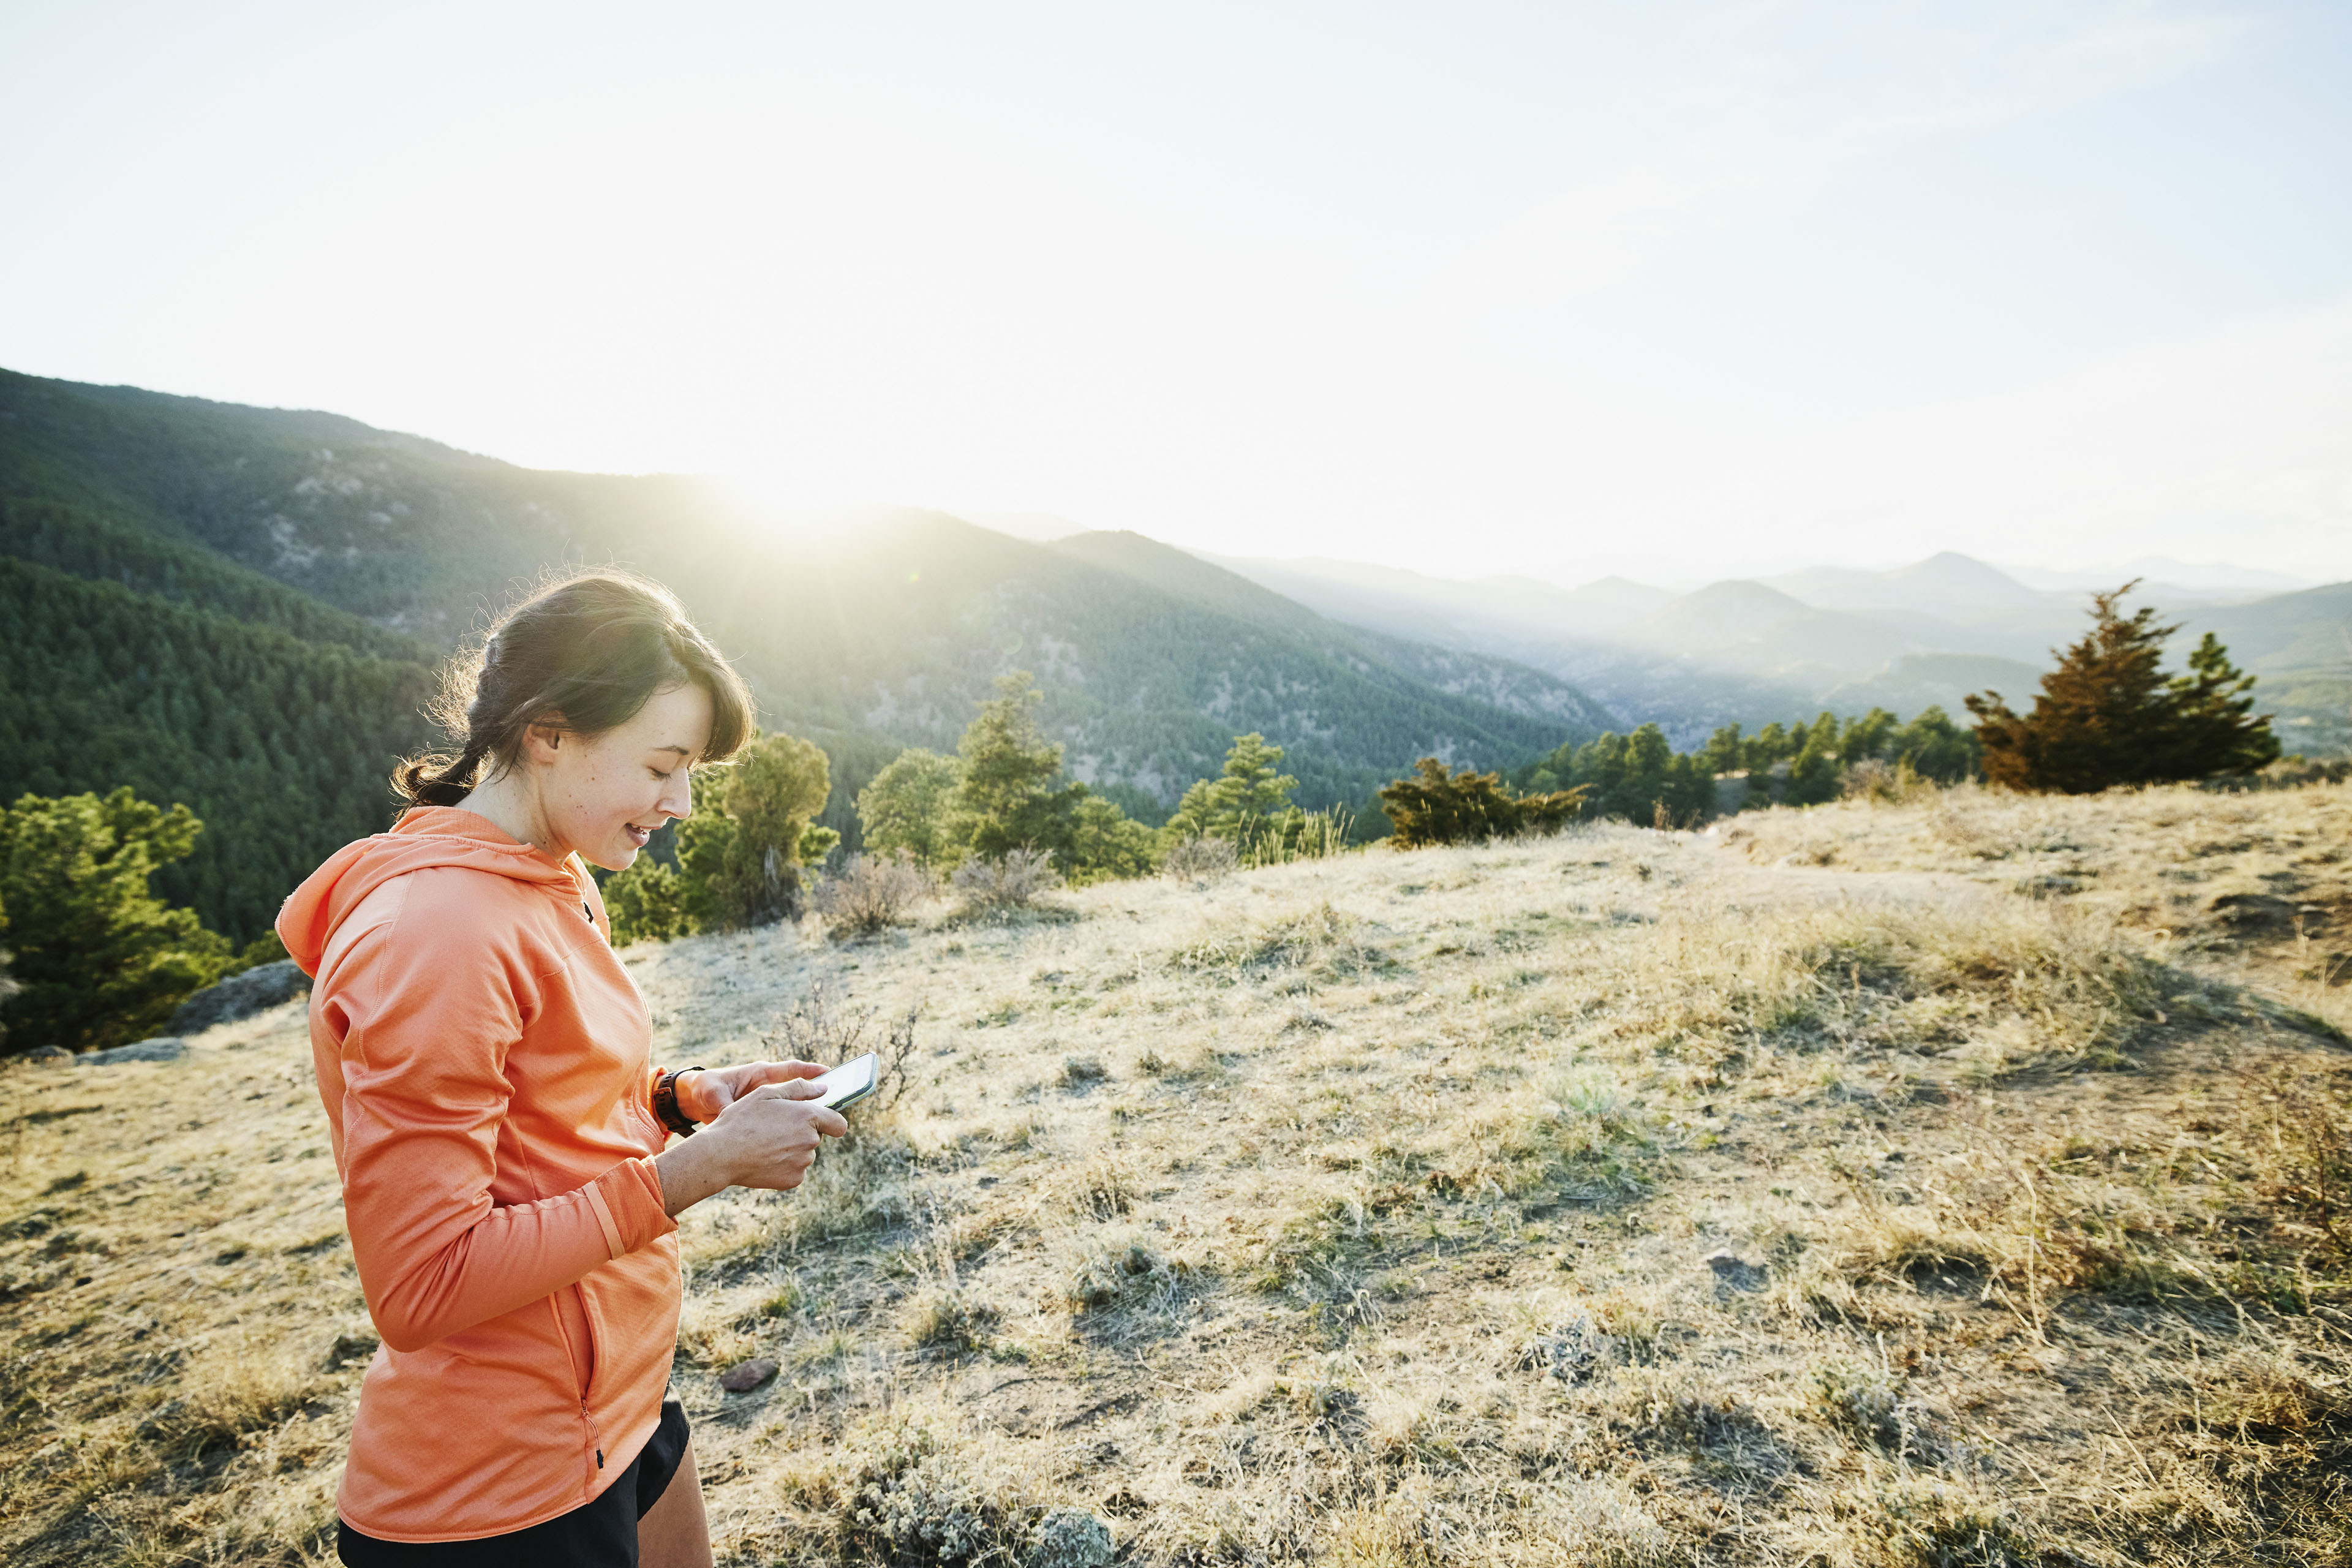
x: 665, y: 1102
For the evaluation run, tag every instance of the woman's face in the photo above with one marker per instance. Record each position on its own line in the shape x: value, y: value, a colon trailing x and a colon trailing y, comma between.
x: 603, y: 795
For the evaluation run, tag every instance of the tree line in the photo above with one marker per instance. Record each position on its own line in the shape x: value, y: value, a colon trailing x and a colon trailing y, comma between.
x: 740, y: 859
x: 102, y: 955
x: 2107, y: 716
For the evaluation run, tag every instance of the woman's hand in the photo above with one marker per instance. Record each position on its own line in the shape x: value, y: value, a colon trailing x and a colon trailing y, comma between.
x: 705, y: 1092
x: 766, y: 1137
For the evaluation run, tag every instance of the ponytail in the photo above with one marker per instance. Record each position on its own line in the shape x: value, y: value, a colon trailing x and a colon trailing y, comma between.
x: 434, y: 779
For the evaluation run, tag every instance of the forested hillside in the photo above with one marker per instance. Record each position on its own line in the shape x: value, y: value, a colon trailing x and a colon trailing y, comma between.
x: 865, y: 639
x: 280, y: 746
x: 131, y: 653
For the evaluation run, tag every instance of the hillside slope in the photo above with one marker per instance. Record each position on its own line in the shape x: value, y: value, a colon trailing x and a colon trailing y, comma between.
x: 1612, y: 1198
x: 867, y: 639
x: 280, y: 746
x: 132, y: 655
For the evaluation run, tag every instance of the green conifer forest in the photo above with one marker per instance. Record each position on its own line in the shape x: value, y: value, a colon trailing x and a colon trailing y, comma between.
x: 280, y: 746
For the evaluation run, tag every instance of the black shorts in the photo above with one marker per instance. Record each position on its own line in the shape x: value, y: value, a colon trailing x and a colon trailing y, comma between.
x: 599, y: 1534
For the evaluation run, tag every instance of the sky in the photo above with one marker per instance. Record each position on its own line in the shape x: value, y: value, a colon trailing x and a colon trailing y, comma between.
x: 1465, y: 288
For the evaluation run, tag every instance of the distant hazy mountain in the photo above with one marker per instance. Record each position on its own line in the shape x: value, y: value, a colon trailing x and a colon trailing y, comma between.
x: 1750, y: 652
x: 1400, y: 601
x: 1949, y: 586
x: 2166, y: 577
x: 1500, y: 683
x: 867, y: 638
x: 1610, y: 601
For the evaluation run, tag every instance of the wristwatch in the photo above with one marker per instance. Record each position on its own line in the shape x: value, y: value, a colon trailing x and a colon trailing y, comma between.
x: 665, y: 1102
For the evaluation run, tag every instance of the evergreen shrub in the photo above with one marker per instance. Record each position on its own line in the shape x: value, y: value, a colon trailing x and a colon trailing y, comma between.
x: 1442, y: 805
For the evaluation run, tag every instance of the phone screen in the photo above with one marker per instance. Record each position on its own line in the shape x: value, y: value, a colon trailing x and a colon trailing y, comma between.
x: 850, y: 1082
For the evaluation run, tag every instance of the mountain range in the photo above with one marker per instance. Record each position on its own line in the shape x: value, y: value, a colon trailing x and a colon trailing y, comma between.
x: 242, y: 608
x: 1749, y: 651
x: 383, y: 550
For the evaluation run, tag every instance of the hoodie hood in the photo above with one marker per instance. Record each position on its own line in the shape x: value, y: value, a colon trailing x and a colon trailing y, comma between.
x: 425, y: 836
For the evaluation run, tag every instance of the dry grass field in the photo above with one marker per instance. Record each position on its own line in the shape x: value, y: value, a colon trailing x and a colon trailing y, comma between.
x: 1958, y: 1182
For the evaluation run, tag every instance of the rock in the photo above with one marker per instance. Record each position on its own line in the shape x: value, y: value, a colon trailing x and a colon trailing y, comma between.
x: 240, y: 996
x: 747, y: 1376
x: 50, y: 1055
x: 1071, y: 1538
x: 162, y: 1048
x: 1734, y: 1272
x: 1571, y: 1350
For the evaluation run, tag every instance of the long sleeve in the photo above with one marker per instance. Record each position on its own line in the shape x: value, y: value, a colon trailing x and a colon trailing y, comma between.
x: 425, y: 1091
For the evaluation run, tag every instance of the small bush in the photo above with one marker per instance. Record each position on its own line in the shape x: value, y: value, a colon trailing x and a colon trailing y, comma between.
x: 1071, y: 1538
x: 1105, y: 1189
x: 873, y: 894
x: 820, y: 1028
x: 1883, y: 782
x: 648, y: 902
x: 1927, y: 1524
x: 1014, y: 882
x: 903, y: 1490
x: 1859, y: 1401
x: 949, y: 1321
x: 1114, y: 1269
x: 1200, y: 860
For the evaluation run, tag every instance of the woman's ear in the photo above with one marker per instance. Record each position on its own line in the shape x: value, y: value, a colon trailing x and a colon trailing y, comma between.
x: 543, y: 738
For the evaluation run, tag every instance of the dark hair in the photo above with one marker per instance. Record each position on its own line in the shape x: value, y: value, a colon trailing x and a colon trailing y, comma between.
x: 585, y: 652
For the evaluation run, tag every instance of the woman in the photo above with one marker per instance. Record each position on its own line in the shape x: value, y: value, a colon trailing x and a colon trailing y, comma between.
x: 498, y: 1125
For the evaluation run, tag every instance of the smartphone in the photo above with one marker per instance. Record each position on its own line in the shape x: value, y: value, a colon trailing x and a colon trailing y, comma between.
x: 850, y: 1082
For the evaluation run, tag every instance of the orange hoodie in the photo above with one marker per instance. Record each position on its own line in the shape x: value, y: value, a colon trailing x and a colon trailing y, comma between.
x: 485, y: 1062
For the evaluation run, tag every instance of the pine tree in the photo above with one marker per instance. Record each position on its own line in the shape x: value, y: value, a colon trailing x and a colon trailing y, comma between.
x: 1867, y: 737
x: 1767, y: 746
x: 2213, y: 729
x: 1251, y: 788
x: 1813, y: 777
x: 2108, y: 716
x: 101, y: 959
x: 1105, y: 842
x: 1010, y: 798
x: 739, y: 857
x: 1725, y: 753
x: 1246, y: 795
x: 648, y: 902
x: 910, y: 806
x: 1934, y: 747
